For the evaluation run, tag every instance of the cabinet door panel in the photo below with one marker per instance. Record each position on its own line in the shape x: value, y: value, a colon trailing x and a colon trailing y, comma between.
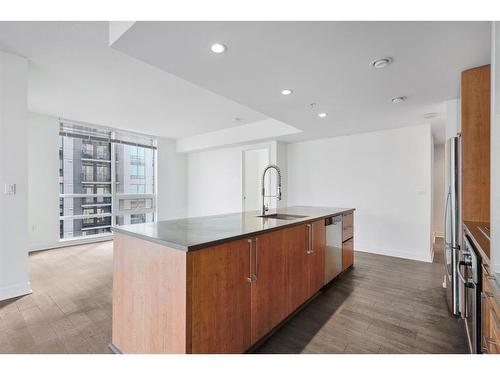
x: 317, y: 258
x: 296, y: 245
x: 475, y: 143
x: 220, y: 298
x: 269, y: 303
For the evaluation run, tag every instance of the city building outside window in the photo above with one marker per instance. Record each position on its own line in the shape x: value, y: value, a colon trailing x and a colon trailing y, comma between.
x: 106, y: 178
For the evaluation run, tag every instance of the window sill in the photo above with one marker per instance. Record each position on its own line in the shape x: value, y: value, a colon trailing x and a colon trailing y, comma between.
x: 85, y: 240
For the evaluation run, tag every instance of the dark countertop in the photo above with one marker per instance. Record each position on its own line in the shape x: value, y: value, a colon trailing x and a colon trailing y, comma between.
x: 199, y: 232
x: 479, y: 232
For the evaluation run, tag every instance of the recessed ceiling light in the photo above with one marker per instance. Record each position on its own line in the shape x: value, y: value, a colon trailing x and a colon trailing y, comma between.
x: 398, y: 99
x: 218, y: 48
x: 322, y: 114
x: 431, y: 115
x: 381, y: 63
x: 286, y: 91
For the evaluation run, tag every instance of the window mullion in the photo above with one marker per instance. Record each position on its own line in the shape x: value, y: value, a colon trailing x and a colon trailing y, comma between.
x: 114, y: 201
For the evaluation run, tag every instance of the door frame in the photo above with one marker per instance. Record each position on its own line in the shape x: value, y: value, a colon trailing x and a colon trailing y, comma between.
x: 253, y: 148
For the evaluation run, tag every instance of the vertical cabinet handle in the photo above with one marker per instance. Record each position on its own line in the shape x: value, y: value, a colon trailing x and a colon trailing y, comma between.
x: 309, y: 239
x: 250, y: 250
x: 253, y: 267
x: 256, y: 265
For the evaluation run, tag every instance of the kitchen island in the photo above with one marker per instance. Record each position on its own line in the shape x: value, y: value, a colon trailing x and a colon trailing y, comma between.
x: 217, y: 284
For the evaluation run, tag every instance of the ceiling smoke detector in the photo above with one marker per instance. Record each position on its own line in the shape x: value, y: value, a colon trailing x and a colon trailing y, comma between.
x: 398, y: 99
x: 431, y: 115
x: 218, y: 48
x: 381, y: 63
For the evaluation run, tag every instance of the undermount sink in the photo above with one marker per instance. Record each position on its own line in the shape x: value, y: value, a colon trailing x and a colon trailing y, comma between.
x: 282, y: 216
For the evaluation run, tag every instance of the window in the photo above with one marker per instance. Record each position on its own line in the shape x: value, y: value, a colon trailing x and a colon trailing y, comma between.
x: 87, y: 173
x: 87, y: 150
x: 103, y: 173
x: 106, y: 178
x: 136, y: 219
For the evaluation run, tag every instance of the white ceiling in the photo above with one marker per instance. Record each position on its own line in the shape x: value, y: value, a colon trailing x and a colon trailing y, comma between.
x: 73, y: 73
x: 161, y: 79
x: 323, y: 62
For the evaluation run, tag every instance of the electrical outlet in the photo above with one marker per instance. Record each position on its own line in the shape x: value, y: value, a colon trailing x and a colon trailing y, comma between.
x: 10, y: 189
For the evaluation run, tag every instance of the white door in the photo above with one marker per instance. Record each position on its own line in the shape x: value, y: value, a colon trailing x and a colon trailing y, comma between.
x: 254, y: 162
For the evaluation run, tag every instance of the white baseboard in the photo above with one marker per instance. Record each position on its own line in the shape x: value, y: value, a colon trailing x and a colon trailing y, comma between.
x: 437, y: 234
x: 15, y: 290
x: 400, y: 254
x: 70, y: 242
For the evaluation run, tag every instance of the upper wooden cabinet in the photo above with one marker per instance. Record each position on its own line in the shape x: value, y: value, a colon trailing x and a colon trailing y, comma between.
x: 475, y: 154
x: 220, y: 298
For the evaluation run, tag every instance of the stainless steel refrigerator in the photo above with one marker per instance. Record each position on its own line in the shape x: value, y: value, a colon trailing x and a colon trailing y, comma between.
x: 452, y: 225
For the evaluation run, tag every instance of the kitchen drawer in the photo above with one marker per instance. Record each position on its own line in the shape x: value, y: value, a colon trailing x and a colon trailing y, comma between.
x: 492, y: 294
x: 491, y: 328
x: 347, y: 226
x: 347, y: 254
x: 490, y: 316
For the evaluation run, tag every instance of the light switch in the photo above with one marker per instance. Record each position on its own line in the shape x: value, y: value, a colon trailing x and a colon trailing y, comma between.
x: 10, y: 189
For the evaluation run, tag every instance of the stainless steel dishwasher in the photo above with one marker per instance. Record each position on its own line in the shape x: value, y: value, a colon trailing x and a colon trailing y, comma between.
x: 333, y: 254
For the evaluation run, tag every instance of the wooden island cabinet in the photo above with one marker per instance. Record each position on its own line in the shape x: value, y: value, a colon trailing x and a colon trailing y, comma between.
x: 219, y: 299
x: 254, y: 286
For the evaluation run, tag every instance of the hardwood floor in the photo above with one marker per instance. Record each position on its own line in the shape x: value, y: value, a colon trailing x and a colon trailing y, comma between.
x: 383, y: 305
x: 69, y: 310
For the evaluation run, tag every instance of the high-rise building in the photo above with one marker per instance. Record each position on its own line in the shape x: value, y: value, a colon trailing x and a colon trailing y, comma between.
x: 103, y: 182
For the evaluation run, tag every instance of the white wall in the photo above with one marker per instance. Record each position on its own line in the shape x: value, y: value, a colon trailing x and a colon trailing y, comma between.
x: 282, y: 162
x: 385, y: 175
x: 215, y: 178
x: 438, y: 191
x: 14, y: 280
x: 43, y: 178
x: 171, y: 181
x: 453, y: 122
